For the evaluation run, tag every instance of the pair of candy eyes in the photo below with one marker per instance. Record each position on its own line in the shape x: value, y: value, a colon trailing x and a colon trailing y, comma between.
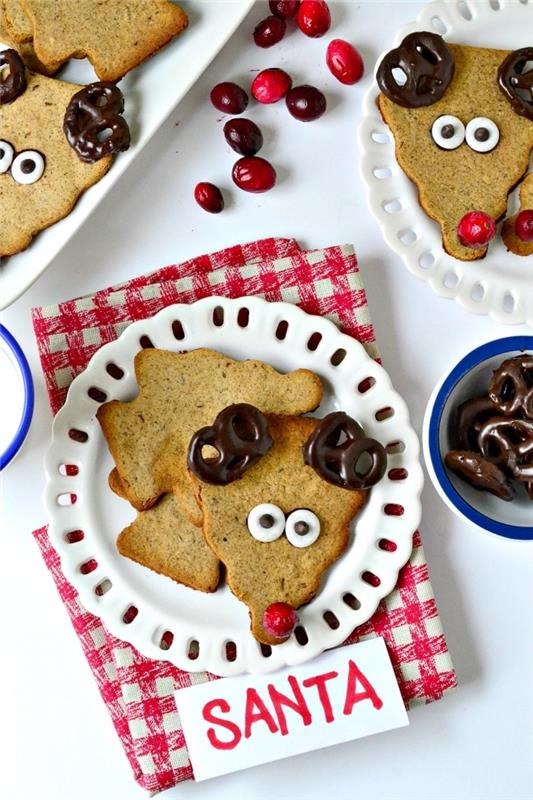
x: 481, y: 133
x: 26, y: 167
x: 267, y: 522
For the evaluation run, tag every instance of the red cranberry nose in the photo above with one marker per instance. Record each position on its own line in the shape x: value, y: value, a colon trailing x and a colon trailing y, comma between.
x: 476, y: 229
x: 279, y: 620
x: 524, y: 225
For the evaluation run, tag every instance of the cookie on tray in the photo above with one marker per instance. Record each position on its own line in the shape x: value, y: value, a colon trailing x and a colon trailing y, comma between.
x: 463, y: 131
x: 518, y: 238
x: 115, y: 35
x: 278, y: 503
x: 179, y: 393
x: 25, y: 49
x: 18, y: 25
x: 164, y: 540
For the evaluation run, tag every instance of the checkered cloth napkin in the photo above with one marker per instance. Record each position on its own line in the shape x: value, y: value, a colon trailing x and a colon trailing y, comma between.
x: 139, y: 692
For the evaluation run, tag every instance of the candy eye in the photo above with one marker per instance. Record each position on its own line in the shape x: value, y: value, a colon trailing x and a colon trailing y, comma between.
x: 6, y: 156
x: 266, y: 522
x: 302, y: 527
x: 28, y: 167
x: 448, y: 132
x: 482, y: 134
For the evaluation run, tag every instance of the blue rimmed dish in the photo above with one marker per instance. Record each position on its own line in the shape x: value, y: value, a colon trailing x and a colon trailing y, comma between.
x: 17, y: 388
x: 467, y: 379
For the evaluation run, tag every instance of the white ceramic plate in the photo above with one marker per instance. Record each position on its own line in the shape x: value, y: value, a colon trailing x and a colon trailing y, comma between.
x: 152, y: 91
x: 213, y: 620
x: 501, y: 284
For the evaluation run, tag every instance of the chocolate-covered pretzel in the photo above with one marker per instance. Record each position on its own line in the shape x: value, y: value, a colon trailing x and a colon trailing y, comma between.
x: 93, y: 123
x: 334, y: 451
x: 239, y: 434
x: 427, y: 64
x: 508, y: 443
x: 511, y: 386
x: 469, y: 420
x: 14, y: 83
x: 515, y: 82
x: 480, y: 473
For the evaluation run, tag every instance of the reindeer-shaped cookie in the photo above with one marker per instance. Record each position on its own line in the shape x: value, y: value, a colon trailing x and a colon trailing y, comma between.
x: 277, y: 503
x: 462, y: 119
x: 53, y: 146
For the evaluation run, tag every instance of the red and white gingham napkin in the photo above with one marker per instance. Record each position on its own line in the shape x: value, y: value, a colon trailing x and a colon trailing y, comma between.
x: 138, y: 692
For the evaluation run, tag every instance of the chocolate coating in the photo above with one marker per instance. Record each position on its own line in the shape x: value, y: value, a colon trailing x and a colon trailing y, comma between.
x: 470, y: 417
x: 14, y: 83
x: 480, y: 473
x: 93, y: 110
x: 508, y: 443
x: 336, y: 461
x: 241, y: 437
x: 511, y: 386
x: 512, y: 80
x: 427, y: 64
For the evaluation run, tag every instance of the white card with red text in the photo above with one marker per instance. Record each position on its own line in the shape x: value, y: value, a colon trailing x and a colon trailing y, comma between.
x: 344, y: 694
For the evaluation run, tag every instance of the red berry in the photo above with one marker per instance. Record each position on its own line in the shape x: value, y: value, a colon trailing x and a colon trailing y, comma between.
x: 476, y: 229
x: 270, y: 85
x: 344, y: 61
x: 279, y: 620
x: 229, y: 98
x: 243, y: 136
x: 524, y: 225
x: 314, y: 18
x: 269, y: 31
x: 284, y: 8
x: 209, y: 197
x: 254, y: 174
x: 306, y: 103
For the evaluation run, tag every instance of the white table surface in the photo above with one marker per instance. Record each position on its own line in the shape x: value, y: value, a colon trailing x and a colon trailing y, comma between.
x: 57, y: 739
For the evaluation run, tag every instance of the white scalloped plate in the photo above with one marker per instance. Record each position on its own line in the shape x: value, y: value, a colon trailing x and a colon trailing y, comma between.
x: 501, y: 284
x: 213, y: 620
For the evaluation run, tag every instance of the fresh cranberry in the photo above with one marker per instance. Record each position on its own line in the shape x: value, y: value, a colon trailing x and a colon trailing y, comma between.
x: 284, y: 8
x: 476, y: 229
x: 209, y: 197
x: 314, y: 18
x: 279, y: 620
x: 524, y: 225
x: 243, y: 136
x: 270, y: 85
x: 229, y: 98
x: 344, y: 61
x: 306, y: 103
x: 269, y: 31
x: 254, y: 174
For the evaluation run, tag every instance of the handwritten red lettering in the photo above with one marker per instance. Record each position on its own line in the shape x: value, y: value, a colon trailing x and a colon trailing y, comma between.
x: 225, y: 708
x: 320, y: 682
x: 256, y: 711
x: 352, y: 697
x: 297, y: 704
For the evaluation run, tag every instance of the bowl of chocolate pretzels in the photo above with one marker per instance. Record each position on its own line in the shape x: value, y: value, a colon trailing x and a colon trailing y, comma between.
x: 478, y: 437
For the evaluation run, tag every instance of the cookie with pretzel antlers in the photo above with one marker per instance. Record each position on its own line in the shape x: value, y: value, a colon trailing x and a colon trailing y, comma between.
x: 277, y: 502
x: 462, y: 121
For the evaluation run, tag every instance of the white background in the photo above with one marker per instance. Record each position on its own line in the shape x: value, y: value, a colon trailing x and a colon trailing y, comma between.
x: 57, y: 740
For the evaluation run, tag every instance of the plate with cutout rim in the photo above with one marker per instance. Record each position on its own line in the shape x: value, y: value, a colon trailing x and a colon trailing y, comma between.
x: 193, y: 630
x: 500, y: 284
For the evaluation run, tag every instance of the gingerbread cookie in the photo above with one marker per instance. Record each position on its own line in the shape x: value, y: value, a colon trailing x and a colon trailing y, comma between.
x: 41, y: 174
x: 17, y: 23
x: 517, y: 231
x: 462, y: 120
x: 115, y: 35
x: 164, y: 540
x: 179, y: 393
x: 277, y: 505
x: 25, y: 50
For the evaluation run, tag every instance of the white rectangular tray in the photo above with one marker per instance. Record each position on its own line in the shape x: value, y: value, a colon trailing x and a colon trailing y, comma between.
x: 156, y: 88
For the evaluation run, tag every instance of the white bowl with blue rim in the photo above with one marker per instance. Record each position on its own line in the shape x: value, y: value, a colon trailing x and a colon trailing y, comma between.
x: 469, y: 378
x: 17, y: 397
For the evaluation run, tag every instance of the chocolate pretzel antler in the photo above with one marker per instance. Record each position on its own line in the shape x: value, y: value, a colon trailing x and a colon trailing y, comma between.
x: 511, y: 386
x: 14, y: 83
x: 93, y: 110
x: 240, y: 435
x: 427, y: 64
x: 336, y: 461
x: 512, y: 80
